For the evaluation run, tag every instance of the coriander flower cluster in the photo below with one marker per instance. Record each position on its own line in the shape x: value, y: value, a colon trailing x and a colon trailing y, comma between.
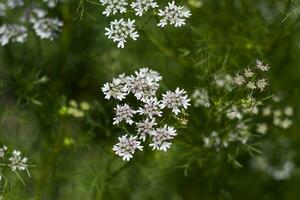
x: 120, y: 30
x: 249, y: 78
x: 146, y: 118
x: 12, y: 160
x: 44, y: 27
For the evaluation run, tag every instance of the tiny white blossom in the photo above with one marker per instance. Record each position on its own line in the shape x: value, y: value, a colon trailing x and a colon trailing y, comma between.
x: 127, y: 146
x: 117, y: 88
x: 120, y: 30
x: 175, y: 100
x: 51, y: 3
x: 33, y: 15
x: 2, y: 9
x: 2, y: 151
x: 13, y: 33
x: 248, y: 73
x: 114, y: 6
x: 17, y: 161
x: 145, y: 127
x: 262, y: 128
x: 261, y: 84
x: 261, y: 66
x: 286, y: 123
x: 151, y: 108
x: 234, y: 113
x: 266, y: 111
x: 251, y: 85
x: 239, y: 79
x: 14, y: 3
x: 173, y: 15
x: 142, y: 6
x: 144, y: 84
x: 161, y: 137
x: 288, y: 111
x: 124, y: 113
x: 201, y: 98
x: 47, y: 28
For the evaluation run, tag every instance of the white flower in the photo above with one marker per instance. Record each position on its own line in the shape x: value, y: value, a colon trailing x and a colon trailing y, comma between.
x: 286, y: 123
x: 266, y: 111
x: 14, y: 3
x: 32, y: 15
x: 239, y: 79
x: 12, y: 32
x: 51, y: 3
x: 127, y: 146
x: 117, y: 89
x: 151, y: 108
x: 2, y: 151
x: 248, y: 73
x: 173, y: 14
x: 47, y: 28
x: 114, y: 6
x: 201, y: 98
x: 2, y: 9
x: 262, y: 128
x: 120, y: 30
x: 145, y: 127
x: 251, y: 85
x: 261, y: 66
x: 124, y: 112
x: 161, y: 137
x: 17, y: 161
x: 261, y: 84
x: 144, y: 84
x: 142, y: 6
x: 234, y: 113
x: 288, y: 111
x: 175, y: 100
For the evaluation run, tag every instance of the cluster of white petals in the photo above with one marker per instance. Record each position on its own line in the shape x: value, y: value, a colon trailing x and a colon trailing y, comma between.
x: 173, y: 15
x: 114, y: 6
x: 142, y: 6
x: 120, y: 30
x: 143, y: 86
x: 12, y: 33
x: 47, y: 28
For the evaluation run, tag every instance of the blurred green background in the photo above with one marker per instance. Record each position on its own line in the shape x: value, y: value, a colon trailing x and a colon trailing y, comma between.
x: 73, y: 157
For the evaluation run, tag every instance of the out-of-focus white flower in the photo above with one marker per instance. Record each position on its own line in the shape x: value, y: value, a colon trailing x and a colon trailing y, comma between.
x: 151, y: 108
x: 262, y: 128
x: 239, y: 79
x: 200, y: 97
x: 248, y: 73
x: 286, y: 123
x: 261, y: 66
x: 17, y: 161
x: 251, y: 85
x: 173, y: 15
x: 261, y: 84
x: 288, y: 111
x: 14, y: 3
x: 114, y: 6
x: 266, y: 111
x: 145, y: 127
x: 32, y: 15
x: 124, y: 113
x: 2, y: 151
x: 212, y: 141
x: 2, y: 9
x: 161, y: 137
x: 13, y: 33
x: 51, y: 3
x: 117, y: 88
x: 127, y: 146
x: 47, y: 28
x: 224, y: 81
x: 234, y: 113
x: 175, y: 100
x: 142, y: 6
x: 120, y: 30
